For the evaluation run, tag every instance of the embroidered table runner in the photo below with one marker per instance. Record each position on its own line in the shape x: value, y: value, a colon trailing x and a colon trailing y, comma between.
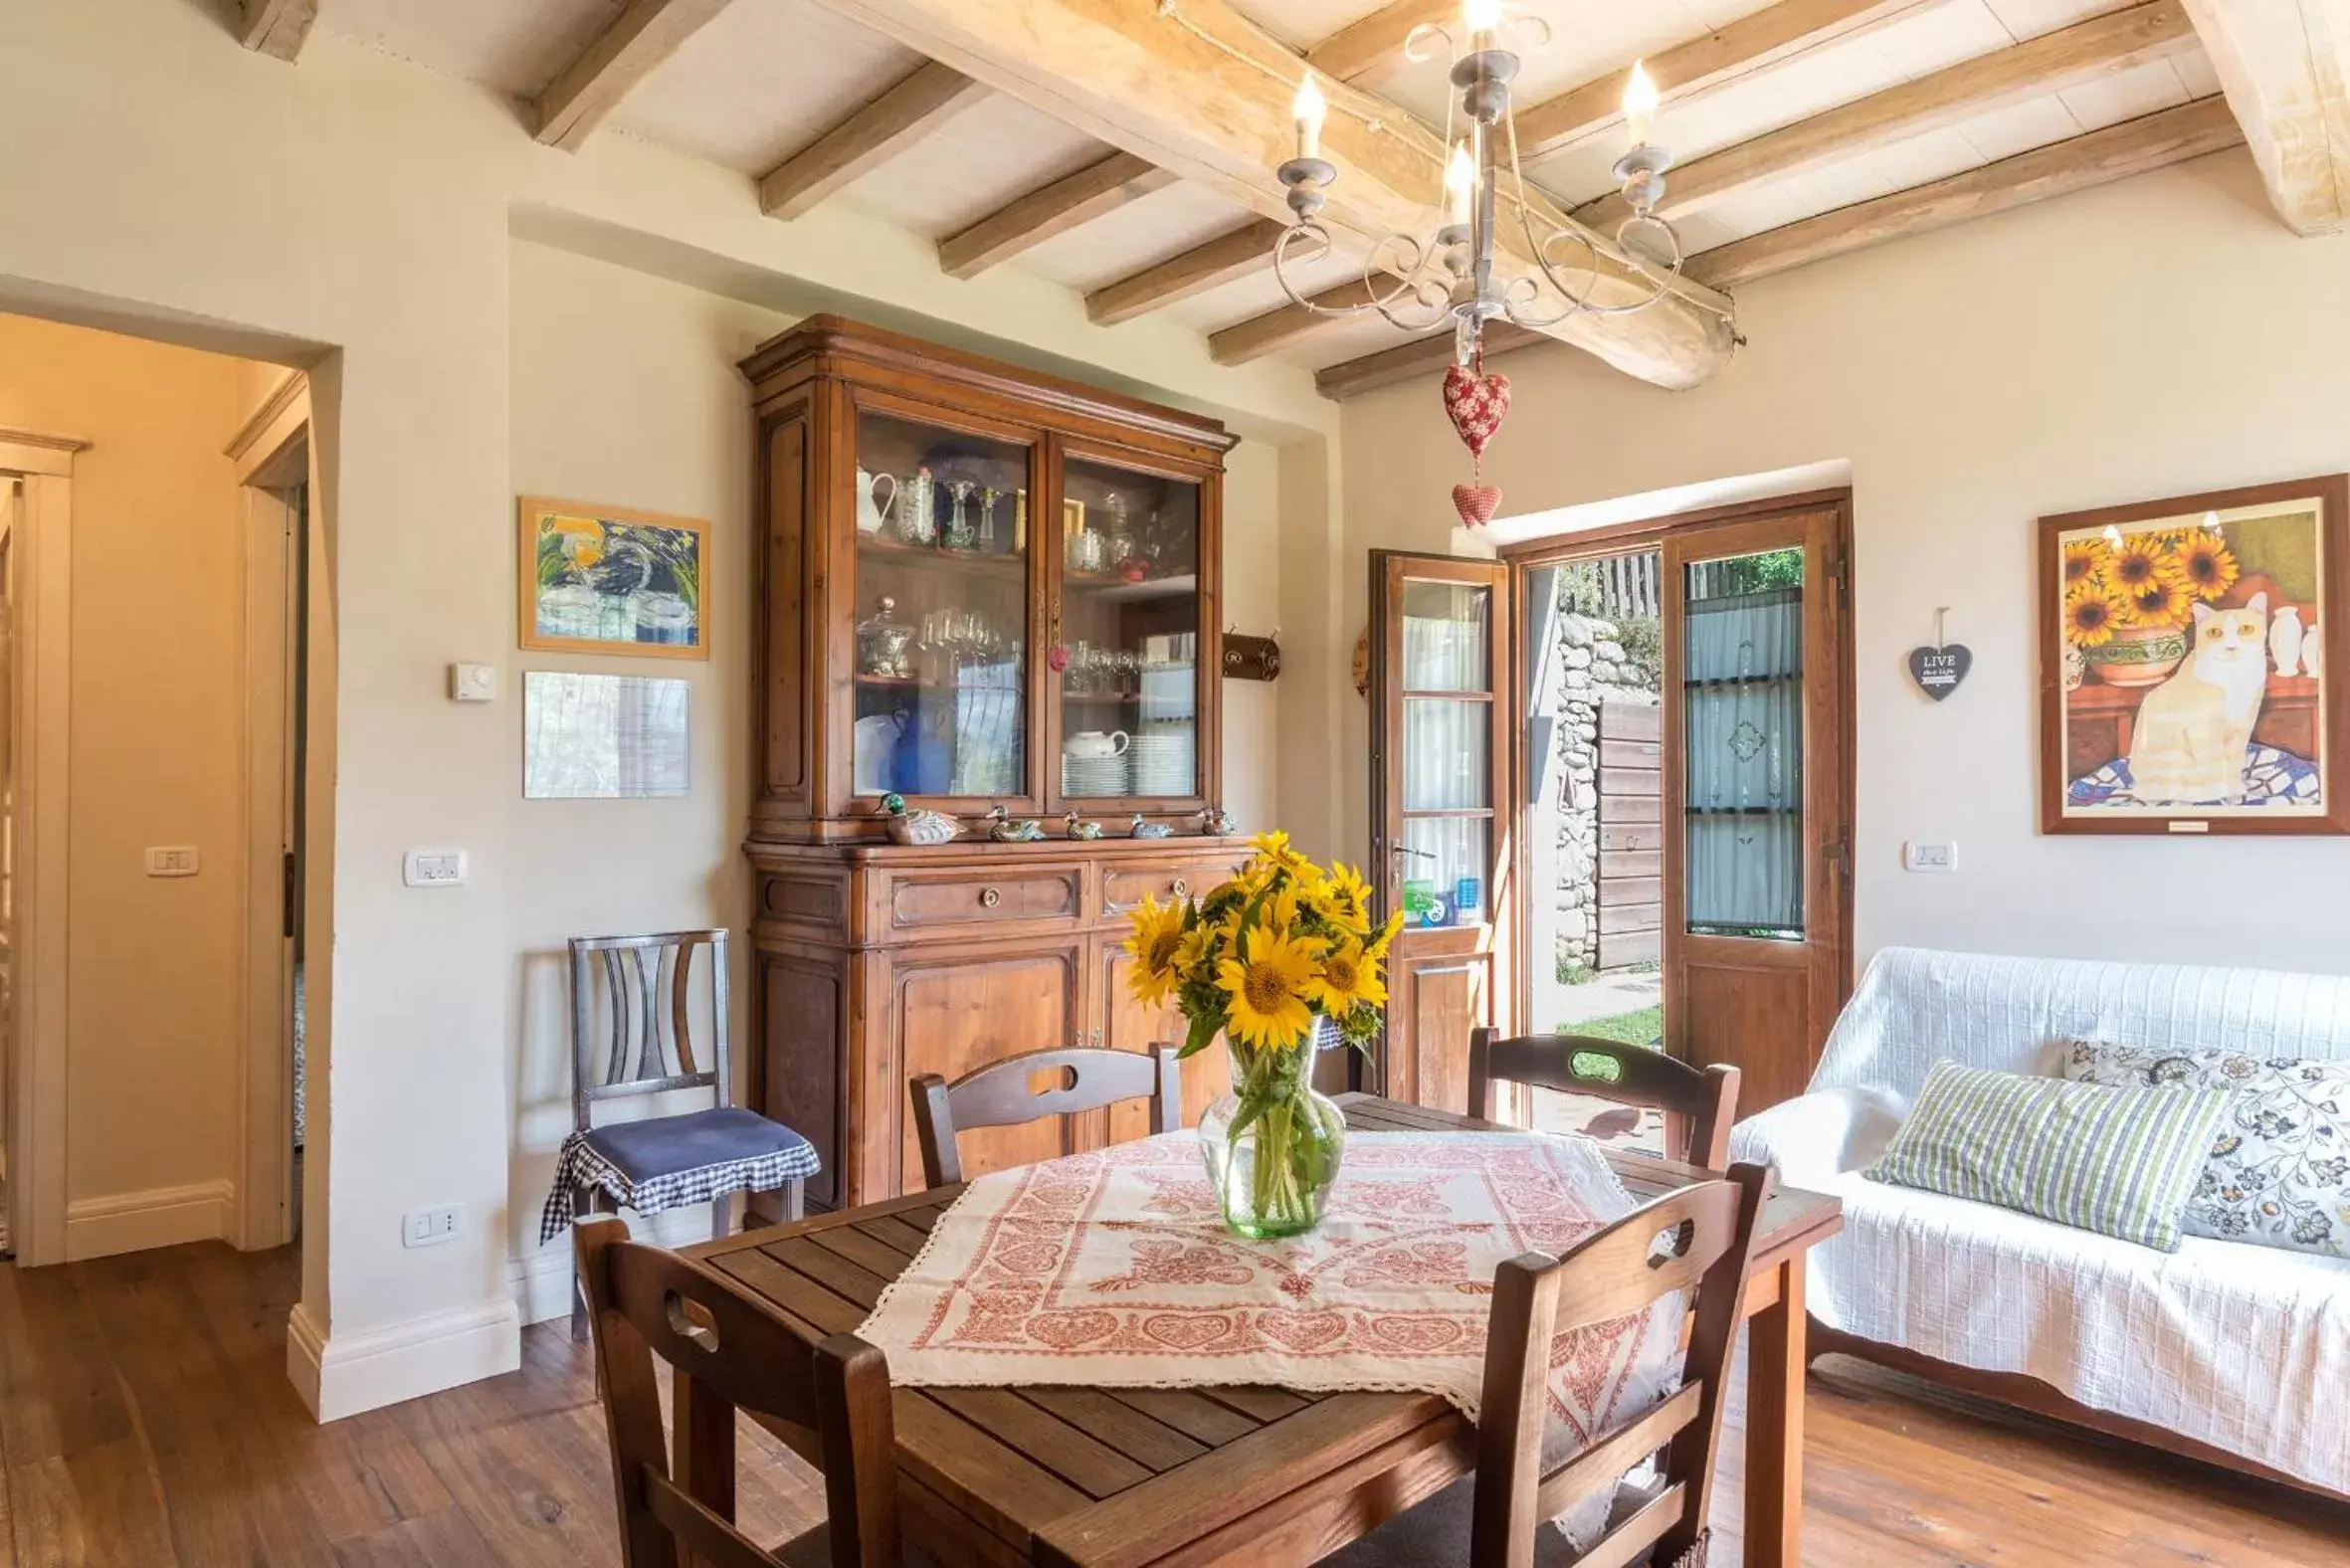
x: 1114, y: 1269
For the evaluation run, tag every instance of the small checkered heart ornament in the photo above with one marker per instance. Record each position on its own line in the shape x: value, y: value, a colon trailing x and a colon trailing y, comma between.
x: 1477, y: 405
x: 1477, y: 504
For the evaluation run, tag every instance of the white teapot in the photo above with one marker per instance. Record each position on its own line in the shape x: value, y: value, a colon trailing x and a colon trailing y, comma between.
x: 873, y: 508
x: 1094, y: 743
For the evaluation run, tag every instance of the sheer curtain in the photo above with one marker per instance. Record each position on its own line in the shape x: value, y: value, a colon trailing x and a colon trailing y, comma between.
x: 1447, y: 742
x: 1744, y: 746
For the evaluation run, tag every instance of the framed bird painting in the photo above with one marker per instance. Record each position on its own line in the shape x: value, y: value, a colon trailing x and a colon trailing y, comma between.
x: 606, y: 580
x: 2194, y: 663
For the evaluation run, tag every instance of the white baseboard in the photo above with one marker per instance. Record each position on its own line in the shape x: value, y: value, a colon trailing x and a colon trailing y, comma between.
x: 340, y: 1375
x: 132, y: 1222
x: 541, y: 1281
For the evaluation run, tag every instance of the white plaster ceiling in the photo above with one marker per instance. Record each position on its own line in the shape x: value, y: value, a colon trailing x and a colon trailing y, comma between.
x: 768, y: 76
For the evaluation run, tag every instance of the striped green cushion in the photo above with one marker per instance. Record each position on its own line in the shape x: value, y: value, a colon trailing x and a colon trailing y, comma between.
x: 2118, y: 1162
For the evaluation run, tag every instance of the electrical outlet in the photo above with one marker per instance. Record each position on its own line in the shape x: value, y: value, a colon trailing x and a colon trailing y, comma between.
x: 432, y: 1227
x: 432, y: 868
x: 1930, y: 856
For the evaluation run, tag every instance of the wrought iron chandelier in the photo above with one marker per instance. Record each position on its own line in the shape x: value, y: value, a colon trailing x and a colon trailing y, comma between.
x: 1416, y: 282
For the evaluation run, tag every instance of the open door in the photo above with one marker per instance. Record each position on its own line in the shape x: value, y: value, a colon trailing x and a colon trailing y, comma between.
x: 1756, y: 807
x: 1441, y: 653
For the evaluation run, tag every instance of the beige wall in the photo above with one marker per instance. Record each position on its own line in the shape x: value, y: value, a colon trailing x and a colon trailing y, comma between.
x: 158, y: 757
x: 2158, y: 337
x: 622, y: 389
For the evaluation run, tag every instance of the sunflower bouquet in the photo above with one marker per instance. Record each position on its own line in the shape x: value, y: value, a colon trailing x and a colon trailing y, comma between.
x: 1279, y: 954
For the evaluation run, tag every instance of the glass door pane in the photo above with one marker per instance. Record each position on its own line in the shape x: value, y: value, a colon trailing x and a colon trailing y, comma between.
x: 942, y: 531
x: 1446, y: 845
x: 1130, y: 624
x: 1742, y: 703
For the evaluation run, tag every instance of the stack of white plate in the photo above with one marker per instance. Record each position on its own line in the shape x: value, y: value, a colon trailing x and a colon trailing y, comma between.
x: 1163, y: 760
x: 1097, y: 775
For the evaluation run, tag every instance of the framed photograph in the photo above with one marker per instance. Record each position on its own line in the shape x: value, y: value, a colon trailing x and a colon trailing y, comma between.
x: 2193, y: 659
x: 606, y: 580
x: 604, y: 737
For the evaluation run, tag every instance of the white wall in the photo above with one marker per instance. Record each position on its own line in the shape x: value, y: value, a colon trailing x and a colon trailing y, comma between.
x: 155, y: 983
x: 2157, y: 337
x: 357, y: 214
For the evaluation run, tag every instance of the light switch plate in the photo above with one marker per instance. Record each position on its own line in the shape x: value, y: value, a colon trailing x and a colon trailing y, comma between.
x: 1929, y: 857
x: 172, y: 860
x: 472, y: 683
x: 432, y: 1227
x: 432, y: 868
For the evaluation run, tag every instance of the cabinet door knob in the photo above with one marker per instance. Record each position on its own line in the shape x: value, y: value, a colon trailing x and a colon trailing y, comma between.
x: 1180, y: 889
x: 989, y: 897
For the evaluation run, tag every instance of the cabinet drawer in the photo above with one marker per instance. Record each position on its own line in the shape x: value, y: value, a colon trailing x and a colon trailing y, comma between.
x: 982, y: 899
x: 1125, y: 886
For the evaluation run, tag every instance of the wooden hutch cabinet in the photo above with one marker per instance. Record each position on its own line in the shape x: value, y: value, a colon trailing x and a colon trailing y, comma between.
x: 977, y: 587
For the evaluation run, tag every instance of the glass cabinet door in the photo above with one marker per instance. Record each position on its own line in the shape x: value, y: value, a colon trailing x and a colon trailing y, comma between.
x: 942, y: 610
x: 1129, y: 689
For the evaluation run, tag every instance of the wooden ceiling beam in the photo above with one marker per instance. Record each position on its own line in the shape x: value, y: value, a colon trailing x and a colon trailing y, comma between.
x: 1285, y: 325
x: 1373, y: 46
x: 2083, y: 52
x: 1050, y: 211
x: 1407, y: 361
x: 1199, y: 89
x: 868, y: 138
x: 2286, y: 67
x: 2153, y: 141
x: 1770, y: 34
x: 646, y: 33
x: 277, y: 28
x: 2116, y: 152
x: 1227, y: 257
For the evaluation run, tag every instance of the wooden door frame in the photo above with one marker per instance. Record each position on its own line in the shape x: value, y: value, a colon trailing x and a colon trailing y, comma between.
x: 272, y: 452
x: 43, y: 547
x: 1388, y: 571
x: 1534, y: 555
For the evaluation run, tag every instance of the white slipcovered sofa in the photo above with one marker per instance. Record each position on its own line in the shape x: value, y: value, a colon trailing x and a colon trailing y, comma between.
x: 2243, y: 1348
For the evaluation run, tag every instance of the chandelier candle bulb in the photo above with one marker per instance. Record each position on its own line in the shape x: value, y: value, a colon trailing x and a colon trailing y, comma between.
x: 1311, y: 109
x: 1639, y: 105
x: 1459, y: 185
x: 1482, y: 19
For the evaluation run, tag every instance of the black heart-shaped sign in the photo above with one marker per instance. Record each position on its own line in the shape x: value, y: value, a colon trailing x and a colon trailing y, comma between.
x: 1939, y: 671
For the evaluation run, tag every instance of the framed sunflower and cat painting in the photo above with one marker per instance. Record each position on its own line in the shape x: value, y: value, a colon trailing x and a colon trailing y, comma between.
x: 2195, y: 662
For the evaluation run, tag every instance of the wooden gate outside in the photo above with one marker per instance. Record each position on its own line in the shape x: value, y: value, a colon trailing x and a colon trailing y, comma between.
x: 1631, y: 833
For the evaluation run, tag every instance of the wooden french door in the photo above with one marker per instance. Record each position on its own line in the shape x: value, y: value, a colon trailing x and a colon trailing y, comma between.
x: 1440, y: 743
x: 1756, y: 792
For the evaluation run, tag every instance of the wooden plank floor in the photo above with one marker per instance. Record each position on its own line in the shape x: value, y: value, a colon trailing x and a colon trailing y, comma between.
x: 145, y: 1420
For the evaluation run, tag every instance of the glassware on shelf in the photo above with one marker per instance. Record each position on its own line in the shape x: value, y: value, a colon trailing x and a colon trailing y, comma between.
x: 1118, y: 539
x: 882, y: 640
x: 917, y: 508
x: 960, y: 534
x: 988, y: 497
x: 1089, y: 550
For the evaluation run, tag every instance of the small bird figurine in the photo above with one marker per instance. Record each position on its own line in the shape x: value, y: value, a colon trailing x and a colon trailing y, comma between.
x: 1217, y: 822
x: 917, y: 827
x: 1004, y: 830
x: 1151, y: 830
x: 1079, y: 827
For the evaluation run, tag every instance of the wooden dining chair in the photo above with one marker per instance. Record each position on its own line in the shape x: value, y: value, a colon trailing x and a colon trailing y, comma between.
x: 639, y: 1042
x: 1698, y: 1238
x: 733, y: 1353
x: 1699, y: 1103
x: 1004, y: 1094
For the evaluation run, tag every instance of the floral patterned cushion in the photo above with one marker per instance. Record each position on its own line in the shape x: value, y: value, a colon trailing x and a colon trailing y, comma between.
x: 2280, y: 1168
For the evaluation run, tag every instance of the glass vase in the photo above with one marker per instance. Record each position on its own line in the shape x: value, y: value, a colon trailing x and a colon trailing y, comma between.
x: 1273, y: 1145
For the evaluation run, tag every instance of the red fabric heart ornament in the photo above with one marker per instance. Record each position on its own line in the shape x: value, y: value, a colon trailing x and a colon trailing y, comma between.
x: 1477, y: 405
x: 1477, y: 504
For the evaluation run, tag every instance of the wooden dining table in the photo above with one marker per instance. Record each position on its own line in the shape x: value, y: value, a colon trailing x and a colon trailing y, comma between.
x: 1094, y: 1477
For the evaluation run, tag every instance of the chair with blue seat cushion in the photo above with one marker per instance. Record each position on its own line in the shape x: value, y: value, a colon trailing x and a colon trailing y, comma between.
x: 640, y: 1041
